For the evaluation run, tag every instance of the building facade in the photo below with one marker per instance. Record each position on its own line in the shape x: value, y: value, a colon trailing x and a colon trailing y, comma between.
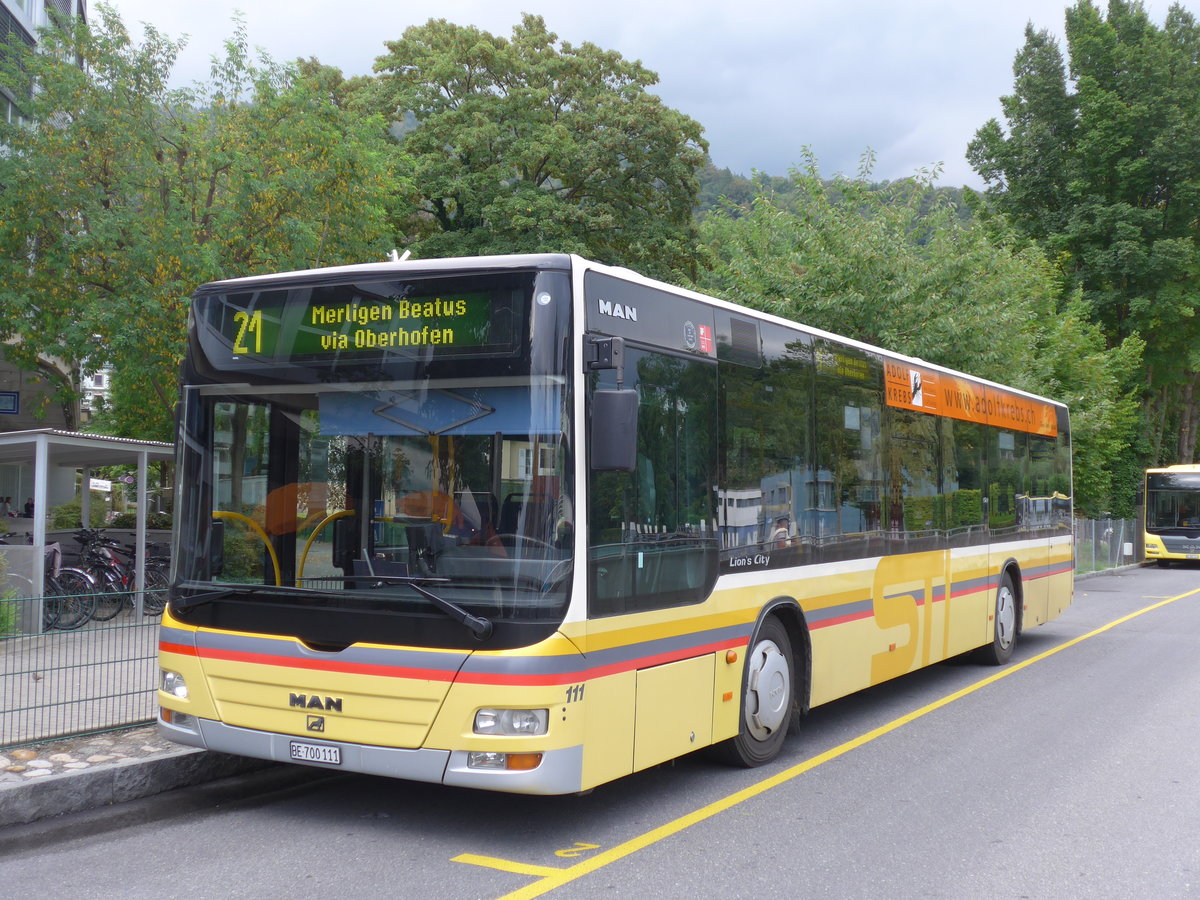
x: 22, y: 19
x: 29, y: 398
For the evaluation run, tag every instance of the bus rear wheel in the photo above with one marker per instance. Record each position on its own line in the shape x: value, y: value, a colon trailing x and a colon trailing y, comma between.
x: 767, y: 687
x: 1004, y: 626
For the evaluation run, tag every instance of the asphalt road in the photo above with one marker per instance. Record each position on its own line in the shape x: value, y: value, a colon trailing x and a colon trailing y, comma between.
x: 1072, y: 772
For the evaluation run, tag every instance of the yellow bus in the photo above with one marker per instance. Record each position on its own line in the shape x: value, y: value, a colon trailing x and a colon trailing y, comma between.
x: 1172, y: 503
x: 530, y: 523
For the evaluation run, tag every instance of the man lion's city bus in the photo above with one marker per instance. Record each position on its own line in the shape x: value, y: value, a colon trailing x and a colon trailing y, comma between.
x: 1172, y: 513
x: 530, y: 523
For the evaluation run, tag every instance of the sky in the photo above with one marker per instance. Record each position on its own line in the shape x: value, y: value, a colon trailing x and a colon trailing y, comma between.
x: 909, y: 80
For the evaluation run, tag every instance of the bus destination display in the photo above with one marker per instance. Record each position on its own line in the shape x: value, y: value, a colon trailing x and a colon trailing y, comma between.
x: 331, y: 322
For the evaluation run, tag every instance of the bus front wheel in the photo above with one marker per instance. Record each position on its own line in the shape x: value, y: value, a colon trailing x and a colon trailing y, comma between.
x: 1004, y: 626
x: 767, y: 686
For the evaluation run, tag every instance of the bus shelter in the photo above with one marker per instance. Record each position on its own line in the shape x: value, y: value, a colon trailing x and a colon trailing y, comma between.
x: 49, y: 451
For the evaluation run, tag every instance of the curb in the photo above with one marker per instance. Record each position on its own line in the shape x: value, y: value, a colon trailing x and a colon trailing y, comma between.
x: 1111, y: 571
x: 129, y: 779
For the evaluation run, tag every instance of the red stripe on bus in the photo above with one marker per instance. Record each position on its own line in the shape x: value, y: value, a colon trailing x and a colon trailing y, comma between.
x: 1060, y: 571
x: 642, y: 662
x: 838, y: 620
x: 318, y: 665
x: 491, y: 678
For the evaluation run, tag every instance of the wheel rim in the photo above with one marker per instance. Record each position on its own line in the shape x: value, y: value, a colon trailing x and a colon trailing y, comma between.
x: 768, y: 690
x: 1006, y: 616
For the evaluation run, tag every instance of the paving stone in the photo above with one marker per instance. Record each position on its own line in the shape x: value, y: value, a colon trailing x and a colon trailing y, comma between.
x: 91, y: 771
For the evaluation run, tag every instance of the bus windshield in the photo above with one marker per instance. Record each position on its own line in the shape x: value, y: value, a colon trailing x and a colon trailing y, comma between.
x: 1172, y: 501
x: 318, y: 484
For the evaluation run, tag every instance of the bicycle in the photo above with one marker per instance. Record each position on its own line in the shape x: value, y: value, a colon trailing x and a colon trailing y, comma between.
x: 68, y: 595
x: 111, y: 564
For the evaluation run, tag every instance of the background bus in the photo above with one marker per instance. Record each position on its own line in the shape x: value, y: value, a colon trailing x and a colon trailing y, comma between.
x: 1172, y: 513
x: 530, y: 523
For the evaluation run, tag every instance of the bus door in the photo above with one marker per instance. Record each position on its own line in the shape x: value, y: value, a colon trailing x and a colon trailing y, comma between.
x: 652, y: 549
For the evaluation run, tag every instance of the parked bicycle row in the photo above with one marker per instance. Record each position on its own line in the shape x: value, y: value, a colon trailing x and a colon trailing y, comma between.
x: 102, y: 584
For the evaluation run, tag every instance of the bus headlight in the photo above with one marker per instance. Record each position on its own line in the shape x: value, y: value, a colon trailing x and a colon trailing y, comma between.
x: 172, y: 683
x: 511, y: 721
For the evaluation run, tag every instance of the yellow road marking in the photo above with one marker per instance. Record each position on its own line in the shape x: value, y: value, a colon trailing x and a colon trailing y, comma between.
x: 505, y: 865
x: 552, y: 878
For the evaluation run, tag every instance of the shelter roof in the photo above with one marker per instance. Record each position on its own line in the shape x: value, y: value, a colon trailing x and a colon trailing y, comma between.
x: 72, y: 448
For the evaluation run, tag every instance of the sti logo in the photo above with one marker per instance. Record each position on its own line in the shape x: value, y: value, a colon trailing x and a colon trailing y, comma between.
x: 618, y: 310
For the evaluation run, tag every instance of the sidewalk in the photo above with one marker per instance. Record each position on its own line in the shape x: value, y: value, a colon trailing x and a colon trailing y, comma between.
x: 83, y: 773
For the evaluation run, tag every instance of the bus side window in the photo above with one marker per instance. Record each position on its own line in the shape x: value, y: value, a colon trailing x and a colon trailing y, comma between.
x: 652, y: 530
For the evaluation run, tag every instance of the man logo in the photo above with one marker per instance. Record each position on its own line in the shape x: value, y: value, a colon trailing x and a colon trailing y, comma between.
x: 618, y: 310
x: 316, y: 723
x: 304, y: 701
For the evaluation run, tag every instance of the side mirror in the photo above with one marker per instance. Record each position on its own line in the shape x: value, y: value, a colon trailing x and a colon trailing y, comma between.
x: 614, y: 431
x: 345, y: 542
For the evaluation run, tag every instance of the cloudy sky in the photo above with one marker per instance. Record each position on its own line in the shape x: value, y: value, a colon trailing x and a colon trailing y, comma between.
x: 911, y: 80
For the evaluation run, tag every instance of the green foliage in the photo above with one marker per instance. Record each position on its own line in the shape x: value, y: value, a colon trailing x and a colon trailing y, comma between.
x: 125, y: 194
x: 127, y: 520
x: 243, y: 557
x: 899, y: 268
x: 70, y: 514
x: 1099, y: 161
x: 9, y: 607
x: 526, y: 144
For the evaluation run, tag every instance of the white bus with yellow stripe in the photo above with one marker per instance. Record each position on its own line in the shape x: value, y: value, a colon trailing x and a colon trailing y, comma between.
x: 530, y: 523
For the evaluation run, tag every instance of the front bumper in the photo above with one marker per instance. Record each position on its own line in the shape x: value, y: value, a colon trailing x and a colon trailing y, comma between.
x: 559, y: 773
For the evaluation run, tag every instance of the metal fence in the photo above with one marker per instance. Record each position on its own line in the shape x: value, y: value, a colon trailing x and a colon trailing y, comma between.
x: 1106, y: 544
x: 99, y: 677
x: 103, y: 675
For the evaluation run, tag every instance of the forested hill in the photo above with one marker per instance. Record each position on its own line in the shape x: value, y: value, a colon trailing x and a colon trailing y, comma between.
x: 722, y: 188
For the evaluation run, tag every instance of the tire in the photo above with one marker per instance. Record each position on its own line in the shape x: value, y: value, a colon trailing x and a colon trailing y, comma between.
x: 1004, y: 626
x: 768, y: 688
x: 110, y: 599
x: 51, y: 607
x: 154, y: 597
x: 74, y: 593
x: 1163, y: 563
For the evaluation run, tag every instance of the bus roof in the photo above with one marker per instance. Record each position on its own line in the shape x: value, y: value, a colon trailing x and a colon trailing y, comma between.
x: 398, y: 267
x: 566, y: 262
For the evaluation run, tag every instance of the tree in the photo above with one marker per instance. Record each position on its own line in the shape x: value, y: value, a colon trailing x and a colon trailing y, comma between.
x: 123, y: 194
x: 892, y: 267
x: 1108, y: 177
x: 527, y: 145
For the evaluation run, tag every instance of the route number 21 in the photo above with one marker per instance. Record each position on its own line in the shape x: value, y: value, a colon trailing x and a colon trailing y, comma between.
x: 248, y: 324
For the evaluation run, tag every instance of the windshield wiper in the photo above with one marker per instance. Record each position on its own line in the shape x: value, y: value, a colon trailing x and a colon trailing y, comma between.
x: 252, y: 590
x: 479, y: 626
